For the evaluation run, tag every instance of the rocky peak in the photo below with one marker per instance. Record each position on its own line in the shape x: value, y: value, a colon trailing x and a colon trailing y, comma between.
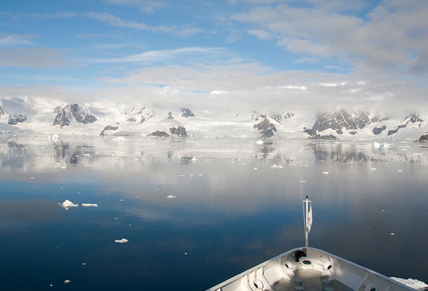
x: 279, y: 117
x: 341, y: 120
x: 186, y: 112
x: 78, y: 112
x: 265, y: 126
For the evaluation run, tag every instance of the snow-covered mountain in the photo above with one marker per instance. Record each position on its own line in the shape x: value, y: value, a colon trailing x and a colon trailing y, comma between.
x: 41, y: 116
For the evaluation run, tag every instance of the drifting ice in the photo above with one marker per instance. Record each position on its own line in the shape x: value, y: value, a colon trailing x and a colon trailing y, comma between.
x: 89, y: 205
x: 67, y: 204
x: 274, y: 166
x: 121, y: 241
x: 171, y: 197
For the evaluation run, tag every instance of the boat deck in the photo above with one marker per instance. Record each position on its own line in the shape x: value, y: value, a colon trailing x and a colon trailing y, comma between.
x: 311, y: 280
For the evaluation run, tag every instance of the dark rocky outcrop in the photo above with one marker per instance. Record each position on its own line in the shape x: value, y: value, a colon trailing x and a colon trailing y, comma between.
x: 378, y: 130
x: 186, y: 112
x: 16, y: 119
x: 72, y: 111
x: 108, y: 127
x: 158, y: 133
x: 266, y: 127
x: 179, y: 131
x: 412, y: 118
x: 423, y: 138
x: 341, y: 120
x: 324, y: 137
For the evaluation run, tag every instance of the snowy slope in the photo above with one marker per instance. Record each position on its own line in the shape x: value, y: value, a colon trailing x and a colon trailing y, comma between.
x: 24, y: 115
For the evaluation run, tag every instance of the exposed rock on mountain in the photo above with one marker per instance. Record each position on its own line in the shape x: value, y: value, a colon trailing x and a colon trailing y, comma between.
x: 279, y: 117
x: 324, y: 137
x: 179, y: 131
x: 341, y: 120
x: 138, y: 114
x: 265, y: 127
x: 78, y: 112
x: 423, y: 138
x: 410, y: 119
x: 15, y: 119
x: 108, y: 128
x: 186, y: 112
x: 159, y: 134
x: 379, y: 130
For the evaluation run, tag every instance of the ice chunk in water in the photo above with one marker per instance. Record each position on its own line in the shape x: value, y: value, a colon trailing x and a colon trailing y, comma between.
x: 171, y: 197
x: 89, y: 205
x: 67, y: 204
x: 121, y: 241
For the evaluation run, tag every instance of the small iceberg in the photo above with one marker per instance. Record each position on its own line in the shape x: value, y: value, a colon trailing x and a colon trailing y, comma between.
x: 259, y: 142
x: 274, y: 166
x: 67, y: 204
x: 377, y: 145
x: 171, y: 197
x: 89, y: 205
x: 325, y: 173
x: 121, y: 241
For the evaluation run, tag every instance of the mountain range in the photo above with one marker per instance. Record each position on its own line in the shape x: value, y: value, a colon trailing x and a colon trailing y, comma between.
x: 25, y: 115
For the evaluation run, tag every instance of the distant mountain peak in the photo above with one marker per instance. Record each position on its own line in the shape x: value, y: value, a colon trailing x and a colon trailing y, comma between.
x: 73, y: 111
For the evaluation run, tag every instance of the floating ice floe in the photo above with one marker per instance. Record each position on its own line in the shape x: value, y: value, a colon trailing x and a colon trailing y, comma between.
x: 66, y: 281
x: 274, y: 166
x: 325, y: 173
x: 171, y: 197
x: 413, y: 283
x: 259, y: 142
x: 400, y: 171
x: 67, y: 204
x: 377, y: 145
x: 255, y: 169
x: 194, y: 159
x: 303, y: 181
x: 119, y: 138
x: 89, y: 205
x: 373, y: 169
x: 121, y: 241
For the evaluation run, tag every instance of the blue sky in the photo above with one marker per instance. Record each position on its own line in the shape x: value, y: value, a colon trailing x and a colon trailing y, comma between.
x: 266, y: 54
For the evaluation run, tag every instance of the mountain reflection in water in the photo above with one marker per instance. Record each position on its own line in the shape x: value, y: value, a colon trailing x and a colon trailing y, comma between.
x: 232, y: 204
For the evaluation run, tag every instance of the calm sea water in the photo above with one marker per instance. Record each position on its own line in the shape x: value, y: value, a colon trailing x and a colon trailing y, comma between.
x: 236, y: 204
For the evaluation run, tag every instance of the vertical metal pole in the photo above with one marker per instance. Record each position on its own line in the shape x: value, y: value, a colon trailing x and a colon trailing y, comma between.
x: 306, y: 221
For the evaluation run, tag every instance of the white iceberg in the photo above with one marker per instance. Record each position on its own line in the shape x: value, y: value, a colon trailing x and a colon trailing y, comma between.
x: 67, y: 204
x: 325, y: 173
x: 67, y: 281
x: 121, y: 241
x: 89, y: 205
x: 171, y: 197
x: 377, y: 145
x: 274, y: 166
x: 259, y: 142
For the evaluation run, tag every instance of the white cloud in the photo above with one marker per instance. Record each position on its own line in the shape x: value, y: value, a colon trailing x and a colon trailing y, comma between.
x: 110, y: 19
x: 31, y: 57
x: 147, y: 6
x: 14, y: 40
x: 393, y: 36
x: 162, y: 55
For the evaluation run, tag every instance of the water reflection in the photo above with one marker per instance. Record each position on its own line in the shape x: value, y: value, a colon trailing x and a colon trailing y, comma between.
x: 231, y: 209
x: 31, y: 154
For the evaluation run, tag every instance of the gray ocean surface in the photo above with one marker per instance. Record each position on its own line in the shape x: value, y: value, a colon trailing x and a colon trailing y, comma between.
x: 198, y: 211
